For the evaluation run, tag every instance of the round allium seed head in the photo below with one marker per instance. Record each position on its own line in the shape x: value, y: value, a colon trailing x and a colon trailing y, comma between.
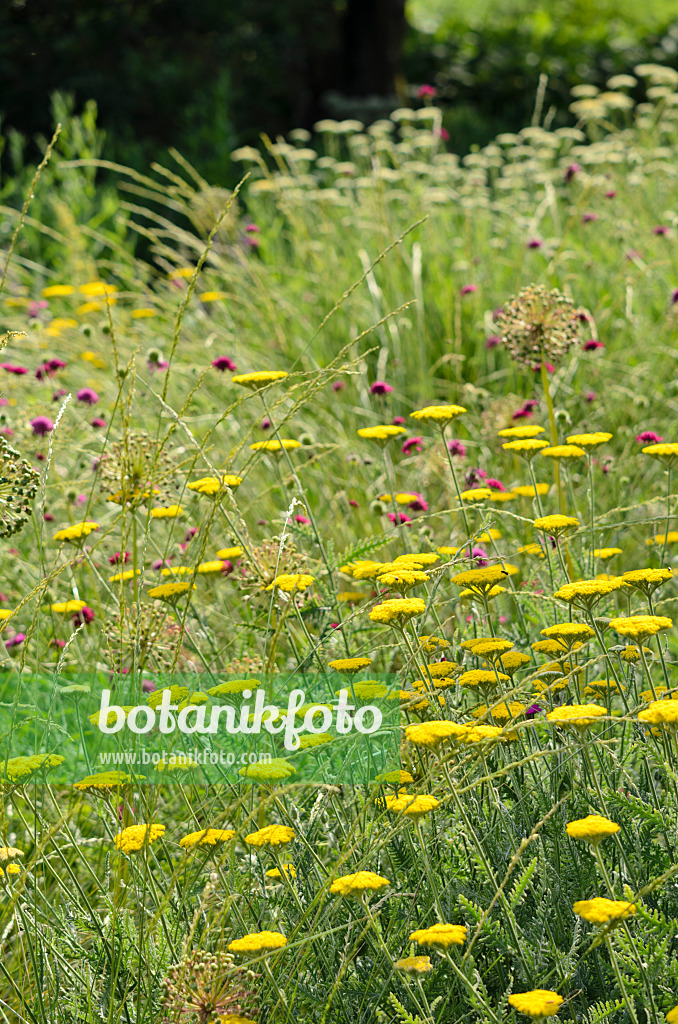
x: 18, y: 486
x: 538, y: 324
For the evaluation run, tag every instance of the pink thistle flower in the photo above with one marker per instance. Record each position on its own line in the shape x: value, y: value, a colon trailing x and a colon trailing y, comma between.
x: 42, y: 425
x: 496, y: 485
x: 412, y: 443
x: 223, y: 363
x: 18, y: 371
x: 550, y: 368
x: 674, y: 296
x: 85, y: 615
x: 252, y: 228
x: 419, y: 504
x: 302, y: 520
x: 6, y: 431
x: 353, y: 503
x: 119, y: 557
x: 35, y: 306
x: 493, y: 341
x: 59, y: 393
x: 590, y: 346
x: 81, y: 499
x: 590, y: 396
x: 398, y: 421
x: 17, y: 639
x: 661, y: 229
x: 426, y: 92
x: 265, y: 424
x: 443, y: 134
x: 588, y: 217
x: 648, y: 437
x: 87, y: 396
x: 456, y: 448
x: 338, y: 385
x: 611, y: 194
x: 401, y: 518
x: 98, y: 422
x: 380, y: 387
x: 48, y: 517
x: 534, y: 243
x: 468, y: 289
x: 571, y: 171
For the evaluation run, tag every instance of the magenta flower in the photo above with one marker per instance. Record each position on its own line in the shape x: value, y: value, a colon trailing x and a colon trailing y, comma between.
x: 495, y: 484
x: 402, y: 518
x: 550, y: 368
x: 590, y: 346
x: 419, y: 504
x: 253, y: 228
x: 156, y: 365
x: 380, y: 387
x: 493, y: 341
x: 35, y: 306
x: 588, y: 217
x: 590, y: 396
x: 17, y: 639
x: 265, y: 424
x: 412, y: 443
x: 534, y: 709
x: 42, y: 425
x: 18, y: 371
x: 302, y: 520
x: 674, y: 296
x: 98, y: 422
x: 338, y: 385
x: 661, y: 229
x: 49, y: 368
x: 534, y: 243
x: 648, y: 437
x: 398, y: 421
x: 85, y: 615
x: 48, y: 517
x: 571, y: 171
x: 468, y: 289
x: 426, y: 92
x: 223, y: 363
x: 353, y: 503
x: 443, y: 134
x: 59, y: 393
x: 119, y: 556
x: 611, y: 194
x: 87, y: 396
x: 456, y: 448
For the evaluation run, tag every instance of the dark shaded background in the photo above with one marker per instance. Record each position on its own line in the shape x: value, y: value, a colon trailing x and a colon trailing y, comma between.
x: 209, y: 75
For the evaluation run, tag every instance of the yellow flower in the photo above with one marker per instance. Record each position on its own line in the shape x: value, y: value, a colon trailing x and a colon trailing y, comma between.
x: 568, y: 633
x: 349, y: 665
x: 76, y: 532
x: 413, y: 557
x: 555, y: 525
x: 366, y: 689
x: 433, y: 643
x: 177, y: 570
x: 229, y: 553
x: 361, y: 881
x: 532, y: 549
x: 501, y: 497
x: 477, y: 494
x: 661, y: 712
x: 589, y: 440
x: 394, y: 778
x: 438, y: 413
x: 513, y: 660
x: 440, y: 936
x: 539, y: 1003
x: 169, y: 591
x: 288, y: 869
x: 416, y: 965
x: 134, y: 838
x: 271, y: 835
x: 563, y: 451
x: 179, y: 762
x: 258, y: 942
x: 527, y: 490
x: 666, y: 453
x: 94, y: 288
x: 578, y: 715
x: 208, y: 837
x: 213, y: 297
x: 600, y: 910
x: 647, y: 580
x: 602, y: 688
x: 234, y: 686
x: 487, y: 647
x: 206, y: 568
x: 397, y: 609
x: 401, y: 499
x: 268, y: 771
x: 259, y: 379
x: 482, y: 677
x: 480, y: 581
x: 6, y: 613
x: 54, y: 291
x: 492, y: 592
x: 350, y: 596
x: 290, y: 583
x: 605, y: 553
x: 592, y: 828
x: 404, y: 579
x: 480, y: 733
x: 89, y: 307
x: 671, y: 1016
x: 18, y: 767
x: 631, y: 654
x: 588, y: 592
x: 211, y: 485
x: 177, y: 694
x: 144, y: 312
x: 500, y: 712
x: 525, y: 446
x: 381, y: 433
x: 285, y: 444
x: 432, y: 734
x: 69, y: 607
x: 12, y: 869
x: 410, y: 805
x: 637, y: 627
x: 439, y: 668
x: 521, y: 432
x: 663, y: 538
x: 9, y: 853
x: 104, y: 780
x: 170, y: 512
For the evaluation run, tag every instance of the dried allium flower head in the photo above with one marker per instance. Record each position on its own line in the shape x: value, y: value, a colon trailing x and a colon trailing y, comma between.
x: 204, y: 985
x: 148, y: 630
x: 135, y: 468
x: 18, y: 485
x: 538, y: 324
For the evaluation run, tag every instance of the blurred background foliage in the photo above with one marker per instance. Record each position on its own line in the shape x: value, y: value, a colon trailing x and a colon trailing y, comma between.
x: 210, y: 76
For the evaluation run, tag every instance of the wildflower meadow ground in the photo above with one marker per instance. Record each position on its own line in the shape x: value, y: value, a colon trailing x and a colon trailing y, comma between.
x: 381, y: 421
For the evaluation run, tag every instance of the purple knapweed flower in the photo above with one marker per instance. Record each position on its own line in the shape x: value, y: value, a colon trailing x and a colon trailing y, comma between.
x: 412, y: 443
x: 426, y: 92
x: 98, y: 422
x: 592, y: 344
x: 590, y: 396
x: 534, y: 243
x: 398, y: 421
x: 402, y: 518
x: 17, y: 639
x: 468, y: 289
x: 18, y: 371
x: 35, y: 306
x: 493, y: 341
x: 456, y: 448
x: 495, y: 485
x: 223, y: 363
x: 661, y: 229
x: 648, y: 437
x: 380, y: 387
x: 611, y: 194
x: 571, y: 171
x: 87, y: 396
x: 42, y: 425
x: 339, y: 385
x: 588, y: 217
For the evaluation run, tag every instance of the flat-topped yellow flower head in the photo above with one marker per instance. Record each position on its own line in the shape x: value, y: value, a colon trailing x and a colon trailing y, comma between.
x: 76, y: 532
x: 555, y: 525
x: 208, y: 837
x: 440, y: 936
x: 666, y: 453
x: 639, y: 627
x: 526, y: 447
x: 647, y: 580
x: 348, y: 666
x: 563, y: 451
x: 270, y: 835
x: 171, y: 591
x: 661, y: 712
x: 432, y: 734
x: 481, y: 581
x: 521, y: 432
x: 381, y: 433
x: 285, y: 444
x: 357, y: 883
x: 440, y: 414
x: 539, y: 1003
x: 291, y: 583
x: 398, y: 609
x: 258, y: 942
x: 587, y: 593
x: 136, y: 837
x: 600, y: 910
x: 579, y: 716
x: 258, y: 379
x: 593, y: 828
x: 589, y: 440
